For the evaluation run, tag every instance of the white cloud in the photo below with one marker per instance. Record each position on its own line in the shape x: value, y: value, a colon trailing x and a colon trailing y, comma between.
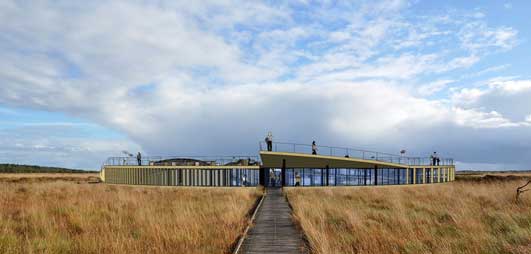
x: 505, y: 95
x: 477, y: 36
x: 486, y: 71
x: 476, y: 119
x: 212, y: 77
x: 434, y: 87
x: 510, y: 86
x: 48, y: 145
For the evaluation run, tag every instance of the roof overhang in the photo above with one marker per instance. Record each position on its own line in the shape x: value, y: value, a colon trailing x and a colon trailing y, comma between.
x: 301, y: 160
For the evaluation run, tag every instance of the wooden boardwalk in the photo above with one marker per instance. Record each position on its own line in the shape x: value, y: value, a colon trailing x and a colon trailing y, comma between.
x: 274, y: 231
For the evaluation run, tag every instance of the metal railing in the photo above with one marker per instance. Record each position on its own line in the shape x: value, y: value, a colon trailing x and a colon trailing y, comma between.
x: 354, y: 153
x: 183, y: 161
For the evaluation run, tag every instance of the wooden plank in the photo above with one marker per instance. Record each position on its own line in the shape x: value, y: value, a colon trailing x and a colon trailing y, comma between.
x: 274, y: 230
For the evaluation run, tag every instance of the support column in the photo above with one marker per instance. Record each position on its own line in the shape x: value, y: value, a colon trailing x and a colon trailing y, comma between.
x: 210, y: 177
x: 375, y: 174
x: 431, y: 175
x: 407, y: 176
x: 423, y: 175
x: 261, y: 176
x: 283, y: 172
x: 327, y: 175
x: 364, y: 176
x: 453, y: 174
x: 335, y: 176
x: 449, y: 174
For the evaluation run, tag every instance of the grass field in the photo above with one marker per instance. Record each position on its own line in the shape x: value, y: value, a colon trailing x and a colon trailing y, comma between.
x: 47, y: 177
x: 67, y: 217
x: 459, y: 217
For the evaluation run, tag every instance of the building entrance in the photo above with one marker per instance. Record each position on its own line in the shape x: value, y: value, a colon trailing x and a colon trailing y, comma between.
x: 274, y: 178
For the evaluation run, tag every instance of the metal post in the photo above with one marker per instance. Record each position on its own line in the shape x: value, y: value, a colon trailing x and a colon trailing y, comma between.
x: 335, y: 176
x: 261, y: 176
x: 283, y: 173
x: 327, y: 175
x: 322, y: 177
x: 375, y: 174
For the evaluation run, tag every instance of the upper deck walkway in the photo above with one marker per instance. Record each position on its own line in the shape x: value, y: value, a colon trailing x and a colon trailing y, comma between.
x: 290, y: 155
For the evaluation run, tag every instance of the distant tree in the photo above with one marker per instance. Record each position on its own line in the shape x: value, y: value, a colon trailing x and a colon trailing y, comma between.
x: 14, y: 168
x: 521, y: 190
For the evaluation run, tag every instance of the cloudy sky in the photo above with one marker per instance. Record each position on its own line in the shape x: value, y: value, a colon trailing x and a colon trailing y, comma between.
x: 81, y: 81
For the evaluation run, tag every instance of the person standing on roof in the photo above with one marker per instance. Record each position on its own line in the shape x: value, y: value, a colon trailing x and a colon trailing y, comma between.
x: 269, y: 141
x: 139, y: 159
x: 434, y: 159
x: 314, y: 148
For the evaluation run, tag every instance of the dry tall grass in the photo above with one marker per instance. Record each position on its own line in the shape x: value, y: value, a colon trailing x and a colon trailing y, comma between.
x: 440, y: 218
x: 65, y: 217
x: 47, y: 177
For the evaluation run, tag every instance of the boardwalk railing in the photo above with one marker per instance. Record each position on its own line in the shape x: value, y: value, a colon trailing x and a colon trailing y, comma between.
x: 353, y: 153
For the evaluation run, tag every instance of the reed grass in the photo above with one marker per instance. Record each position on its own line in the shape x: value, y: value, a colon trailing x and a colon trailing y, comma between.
x: 454, y: 217
x: 65, y: 217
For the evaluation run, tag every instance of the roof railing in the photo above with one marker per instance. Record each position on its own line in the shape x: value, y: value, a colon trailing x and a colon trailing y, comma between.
x: 182, y: 160
x: 353, y: 153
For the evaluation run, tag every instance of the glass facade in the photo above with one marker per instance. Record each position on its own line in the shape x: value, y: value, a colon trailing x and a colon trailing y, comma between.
x: 419, y: 175
x: 273, y: 177
x: 183, y: 177
x: 345, y: 177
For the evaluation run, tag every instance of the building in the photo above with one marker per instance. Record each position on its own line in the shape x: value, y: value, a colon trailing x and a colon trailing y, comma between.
x: 332, y: 166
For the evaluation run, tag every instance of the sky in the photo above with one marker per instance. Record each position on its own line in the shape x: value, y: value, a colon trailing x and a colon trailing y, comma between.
x: 84, y: 80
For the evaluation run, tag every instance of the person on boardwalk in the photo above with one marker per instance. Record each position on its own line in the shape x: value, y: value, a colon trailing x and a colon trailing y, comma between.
x: 269, y: 141
x: 297, y: 179
x: 139, y: 159
x: 272, y: 178
x: 314, y: 148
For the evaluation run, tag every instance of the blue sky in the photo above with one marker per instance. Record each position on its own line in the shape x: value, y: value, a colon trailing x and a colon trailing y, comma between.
x: 81, y: 81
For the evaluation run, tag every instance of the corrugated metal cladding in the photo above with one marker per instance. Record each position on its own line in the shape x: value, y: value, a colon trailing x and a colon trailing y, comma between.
x: 183, y: 177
